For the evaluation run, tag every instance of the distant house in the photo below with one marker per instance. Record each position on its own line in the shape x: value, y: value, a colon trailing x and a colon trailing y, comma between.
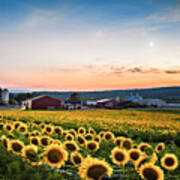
x: 106, y: 103
x: 153, y: 102
x: 137, y: 99
x: 134, y: 98
x: 73, y: 104
x: 91, y: 103
x: 42, y: 102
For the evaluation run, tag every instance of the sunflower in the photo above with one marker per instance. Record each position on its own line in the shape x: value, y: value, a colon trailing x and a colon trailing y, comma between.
x: 118, y: 141
x: 88, y: 137
x: 101, y: 134
x: 160, y: 147
x: 42, y: 126
x: 64, y: 133
x: 44, y: 140
x: 134, y: 154
x: 22, y: 128
x: 93, y: 168
x: 127, y: 143
x: 69, y: 137
x: 48, y: 129
x: 36, y: 133
x: 58, y: 130
x: 108, y: 136
x: 76, y: 158
x: 81, y: 140
x: 91, y: 131
x: 70, y: 146
x: 5, y: 141
x: 30, y: 153
x: 55, y: 156
x: 119, y: 156
x: 92, y: 146
x: 73, y: 132
x: 151, y: 172
x: 34, y: 141
x: 141, y: 161
x: 82, y: 131
x: 169, y: 161
x: 143, y: 146
x: 97, y: 139
x: 16, y: 146
x: 8, y: 128
x: 17, y: 124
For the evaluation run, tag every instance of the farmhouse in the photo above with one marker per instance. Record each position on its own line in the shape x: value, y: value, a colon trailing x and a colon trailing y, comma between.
x: 106, y: 103
x: 42, y: 102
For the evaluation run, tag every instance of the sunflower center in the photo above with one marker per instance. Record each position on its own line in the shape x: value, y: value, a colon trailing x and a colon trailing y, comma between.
x: 31, y: 155
x: 81, y: 131
x: 16, y: 147
x: 159, y: 148
x: 54, y: 156
x: 80, y: 140
x: 22, y: 129
x: 44, y: 141
x: 71, y: 147
x: 127, y: 144
x: 134, y: 155
x: 57, y: 131
x: 88, y: 137
x: 8, y: 128
x: 69, y: 138
x: 92, y: 146
x: 119, y: 156
x: 118, y: 142
x: 77, y: 159
x: 1, y: 126
x: 150, y: 174
x: 169, y: 161
x: 108, y: 136
x: 96, y: 172
x: 48, y: 129
x: 35, y: 141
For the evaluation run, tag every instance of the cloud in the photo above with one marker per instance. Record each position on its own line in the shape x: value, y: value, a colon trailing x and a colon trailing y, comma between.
x: 40, y: 17
x: 172, y: 71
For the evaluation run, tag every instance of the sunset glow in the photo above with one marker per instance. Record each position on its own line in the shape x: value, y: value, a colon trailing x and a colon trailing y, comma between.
x: 89, y: 45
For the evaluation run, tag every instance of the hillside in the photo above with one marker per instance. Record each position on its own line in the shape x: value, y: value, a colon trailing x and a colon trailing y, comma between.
x: 169, y: 94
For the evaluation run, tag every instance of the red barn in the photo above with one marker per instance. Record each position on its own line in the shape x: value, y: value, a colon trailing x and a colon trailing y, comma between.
x: 42, y: 102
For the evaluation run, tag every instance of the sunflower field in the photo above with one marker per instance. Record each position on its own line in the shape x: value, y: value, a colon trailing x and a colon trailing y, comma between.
x: 90, y: 145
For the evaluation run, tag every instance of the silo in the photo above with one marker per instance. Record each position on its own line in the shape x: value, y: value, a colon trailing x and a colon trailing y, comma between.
x: 5, y: 96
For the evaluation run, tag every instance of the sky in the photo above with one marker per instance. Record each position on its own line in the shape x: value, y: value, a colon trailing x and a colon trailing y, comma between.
x: 89, y: 44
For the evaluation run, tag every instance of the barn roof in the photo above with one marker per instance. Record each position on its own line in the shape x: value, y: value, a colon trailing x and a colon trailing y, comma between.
x: 103, y: 100
x: 38, y: 97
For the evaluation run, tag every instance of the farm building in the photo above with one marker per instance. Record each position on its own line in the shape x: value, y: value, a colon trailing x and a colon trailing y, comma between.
x: 42, y: 102
x: 73, y: 104
x: 106, y: 103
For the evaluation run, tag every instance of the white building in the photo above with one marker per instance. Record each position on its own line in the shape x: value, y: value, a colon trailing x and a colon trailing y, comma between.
x: 134, y: 98
x: 147, y: 102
